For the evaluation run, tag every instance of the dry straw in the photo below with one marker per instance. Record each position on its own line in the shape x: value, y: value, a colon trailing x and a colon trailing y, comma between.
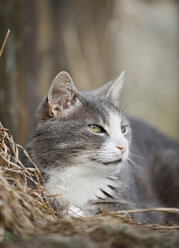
x: 4, y: 42
x: 22, y: 209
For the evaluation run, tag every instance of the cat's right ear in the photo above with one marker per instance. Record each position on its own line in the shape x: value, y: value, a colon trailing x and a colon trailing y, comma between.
x: 113, y: 89
x: 62, y: 95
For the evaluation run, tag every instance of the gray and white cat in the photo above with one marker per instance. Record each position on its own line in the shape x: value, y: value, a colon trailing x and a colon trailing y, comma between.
x: 91, y: 155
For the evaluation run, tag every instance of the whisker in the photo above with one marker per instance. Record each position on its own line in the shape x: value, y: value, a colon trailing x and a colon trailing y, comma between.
x: 44, y: 154
x: 128, y: 98
x: 136, y: 113
x: 101, y: 155
x: 134, y: 105
x: 132, y: 162
x: 135, y: 155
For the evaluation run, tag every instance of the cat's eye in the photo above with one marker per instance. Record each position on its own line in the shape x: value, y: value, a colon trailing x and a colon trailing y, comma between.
x: 96, y: 128
x: 123, y: 128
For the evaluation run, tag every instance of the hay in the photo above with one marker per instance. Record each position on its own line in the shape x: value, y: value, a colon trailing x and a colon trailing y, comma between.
x: 22, y: 209
x: 4, y: 42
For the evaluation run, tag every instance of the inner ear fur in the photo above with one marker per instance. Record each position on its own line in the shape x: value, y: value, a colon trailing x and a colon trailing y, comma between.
x: 62, y: 95
x: 115, y: 90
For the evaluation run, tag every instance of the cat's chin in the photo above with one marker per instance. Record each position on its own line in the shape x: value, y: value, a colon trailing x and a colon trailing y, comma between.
x: 105, y: 168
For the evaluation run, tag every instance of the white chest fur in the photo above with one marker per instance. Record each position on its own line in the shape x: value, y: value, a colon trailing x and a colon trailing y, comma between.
x: 80, y: 184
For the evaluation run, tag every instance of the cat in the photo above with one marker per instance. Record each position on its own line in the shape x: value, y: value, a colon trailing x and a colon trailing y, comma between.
x: 93, y: 156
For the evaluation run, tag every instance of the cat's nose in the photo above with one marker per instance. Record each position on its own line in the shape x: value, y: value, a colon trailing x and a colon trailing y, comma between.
x: 121, y: 148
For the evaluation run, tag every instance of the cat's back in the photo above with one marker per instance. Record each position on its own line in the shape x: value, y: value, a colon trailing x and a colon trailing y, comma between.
x: 147, y: 139
x: 157, y: 157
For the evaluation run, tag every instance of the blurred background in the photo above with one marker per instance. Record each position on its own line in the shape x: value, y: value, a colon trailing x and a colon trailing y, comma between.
x: 94, y: 40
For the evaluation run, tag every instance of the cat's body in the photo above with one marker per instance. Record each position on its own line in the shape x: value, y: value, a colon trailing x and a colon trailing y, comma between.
x: 92, y: 156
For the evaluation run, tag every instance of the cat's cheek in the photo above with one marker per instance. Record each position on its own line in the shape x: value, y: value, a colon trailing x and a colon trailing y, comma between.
x: 110, y: 147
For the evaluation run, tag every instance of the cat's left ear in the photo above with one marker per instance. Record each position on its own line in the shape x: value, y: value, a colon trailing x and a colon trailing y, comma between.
x: 63, y: 97
x: 115, y: 90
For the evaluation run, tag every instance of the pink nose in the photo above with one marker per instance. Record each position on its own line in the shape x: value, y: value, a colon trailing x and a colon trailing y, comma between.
x: 122, y: 149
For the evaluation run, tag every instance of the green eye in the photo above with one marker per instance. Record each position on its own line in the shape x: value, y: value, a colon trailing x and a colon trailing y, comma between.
x: 96, y: 129
x: 123, y: 129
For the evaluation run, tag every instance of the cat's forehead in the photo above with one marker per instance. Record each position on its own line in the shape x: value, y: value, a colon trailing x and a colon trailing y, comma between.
x: 100, y: 108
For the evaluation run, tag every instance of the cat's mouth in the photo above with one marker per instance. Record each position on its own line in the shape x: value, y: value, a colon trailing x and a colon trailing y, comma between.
x: 106, y: 162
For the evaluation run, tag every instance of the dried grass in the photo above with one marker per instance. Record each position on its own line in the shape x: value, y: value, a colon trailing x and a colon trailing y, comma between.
x: 24, y: 210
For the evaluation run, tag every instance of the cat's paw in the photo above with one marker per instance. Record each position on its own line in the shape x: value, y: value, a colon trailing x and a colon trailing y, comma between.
x: 76, y: 211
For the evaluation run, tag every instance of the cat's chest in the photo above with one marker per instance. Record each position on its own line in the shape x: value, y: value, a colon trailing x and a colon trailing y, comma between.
x: 79, y: 187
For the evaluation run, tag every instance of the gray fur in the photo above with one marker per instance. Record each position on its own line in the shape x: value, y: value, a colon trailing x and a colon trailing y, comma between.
x: 150, y: 180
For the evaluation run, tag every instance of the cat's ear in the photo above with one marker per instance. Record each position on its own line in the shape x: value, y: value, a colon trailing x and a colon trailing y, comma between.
x: 62, y: 95
x: 115, y: 90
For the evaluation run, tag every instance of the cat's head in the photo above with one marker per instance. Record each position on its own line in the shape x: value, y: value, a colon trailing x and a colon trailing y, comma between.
x: 81, y: 128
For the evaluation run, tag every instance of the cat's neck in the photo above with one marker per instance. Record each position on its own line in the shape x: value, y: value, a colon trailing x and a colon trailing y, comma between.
x: 81, y: 184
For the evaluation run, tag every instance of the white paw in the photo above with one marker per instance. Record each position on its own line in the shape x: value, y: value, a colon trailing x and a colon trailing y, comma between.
x: 76, y: 211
